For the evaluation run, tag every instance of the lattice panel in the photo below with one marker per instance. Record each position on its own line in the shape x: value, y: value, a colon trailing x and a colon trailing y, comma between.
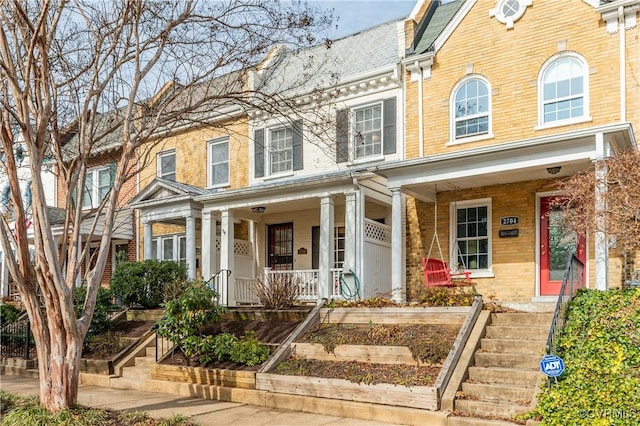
x: 240, y: 247
x: 374, y: 231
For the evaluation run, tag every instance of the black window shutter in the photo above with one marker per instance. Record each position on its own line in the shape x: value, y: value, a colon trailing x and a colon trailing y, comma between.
x: 258, y: 157
x: 389, y: 126
x: 298, y: 162
x: 342, y: 136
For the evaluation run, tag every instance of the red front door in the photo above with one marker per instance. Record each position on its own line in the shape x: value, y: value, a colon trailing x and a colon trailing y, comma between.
x: 557, y: 243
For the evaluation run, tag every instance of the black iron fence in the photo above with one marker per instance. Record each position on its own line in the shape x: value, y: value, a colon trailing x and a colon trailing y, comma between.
x: 572, y: 281
x: 16, y: 340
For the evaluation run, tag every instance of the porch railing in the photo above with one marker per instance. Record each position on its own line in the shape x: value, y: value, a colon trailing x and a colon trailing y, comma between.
x: 572, y: 281
x: 308, y: 279
x: 220, y: 284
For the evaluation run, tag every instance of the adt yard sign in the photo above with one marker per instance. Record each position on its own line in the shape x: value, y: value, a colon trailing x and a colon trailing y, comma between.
x: 552, y: 365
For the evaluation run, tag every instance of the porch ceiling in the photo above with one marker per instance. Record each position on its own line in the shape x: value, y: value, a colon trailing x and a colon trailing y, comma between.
x: 518, y: 161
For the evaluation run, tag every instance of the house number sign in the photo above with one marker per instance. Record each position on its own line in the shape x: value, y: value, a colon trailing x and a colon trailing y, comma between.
x: 509, y: 220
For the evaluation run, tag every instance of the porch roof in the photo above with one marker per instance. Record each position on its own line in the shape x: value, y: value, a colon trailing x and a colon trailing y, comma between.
x: 516, y: 161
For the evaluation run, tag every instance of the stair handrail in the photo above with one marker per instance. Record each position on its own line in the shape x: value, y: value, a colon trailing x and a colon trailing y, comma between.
x: 573, y: 279
x: 219, y: 283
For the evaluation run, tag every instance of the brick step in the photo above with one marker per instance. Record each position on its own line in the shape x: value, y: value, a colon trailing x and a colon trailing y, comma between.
x: 507, y: 360
x: 137, y: 372
x: 489, y: 409
x: 505, y: 376
x: 522, y: 319
x: 516, y: 332
x: 476, y: 421
x: 145, y: 361
x: 514, y: 346
x: 499, y: 393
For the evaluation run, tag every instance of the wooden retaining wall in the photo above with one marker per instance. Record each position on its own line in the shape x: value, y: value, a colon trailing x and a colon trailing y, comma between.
x: 217, y: 377
x: 424, y: 397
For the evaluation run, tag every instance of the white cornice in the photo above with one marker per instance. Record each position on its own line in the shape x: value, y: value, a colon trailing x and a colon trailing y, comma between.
x: 625, y: 11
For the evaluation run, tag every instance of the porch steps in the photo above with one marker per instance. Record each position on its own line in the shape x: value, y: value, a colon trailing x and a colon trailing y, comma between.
x: 505, y: 378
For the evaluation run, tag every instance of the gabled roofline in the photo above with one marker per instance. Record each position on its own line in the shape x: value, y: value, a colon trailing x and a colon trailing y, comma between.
x: 453, y: 24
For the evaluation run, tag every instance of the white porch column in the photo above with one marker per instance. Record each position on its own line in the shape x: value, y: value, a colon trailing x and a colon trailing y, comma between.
x: 208, y: 252
x: 227, y: 255
x: 396, y: 246
x: 350, y: 226
x: 601, y: 248
x: 148, y: 237
x: 191, y: 247
x: 326, y: 248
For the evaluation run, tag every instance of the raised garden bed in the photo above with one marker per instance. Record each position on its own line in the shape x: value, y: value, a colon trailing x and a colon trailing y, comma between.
x: 389, y: 355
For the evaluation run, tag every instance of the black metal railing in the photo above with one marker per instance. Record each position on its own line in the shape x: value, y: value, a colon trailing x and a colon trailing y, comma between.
x: 163, y: 345
x: 219, y: 283
x: 16, y: 340
x: 573, y: 280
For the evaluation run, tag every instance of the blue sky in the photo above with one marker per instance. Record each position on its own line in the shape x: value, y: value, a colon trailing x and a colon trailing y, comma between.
x: 357, y: 15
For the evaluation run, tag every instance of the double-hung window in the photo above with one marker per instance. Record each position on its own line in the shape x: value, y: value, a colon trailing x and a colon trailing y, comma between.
x: 280, y: 150
x: 170, y: 247
x: 563, y: 94
x: 471, y: 110
x: 167, y: 165
x: 219, y: 162
x: 471, y: 231
x: 96, y: 186
x: 367, y: 123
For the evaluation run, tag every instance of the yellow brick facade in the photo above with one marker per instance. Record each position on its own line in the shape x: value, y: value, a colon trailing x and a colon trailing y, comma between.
x: 510, y: 60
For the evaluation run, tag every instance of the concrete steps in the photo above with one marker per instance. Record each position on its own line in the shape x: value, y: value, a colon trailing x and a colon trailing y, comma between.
x: 505, y: 378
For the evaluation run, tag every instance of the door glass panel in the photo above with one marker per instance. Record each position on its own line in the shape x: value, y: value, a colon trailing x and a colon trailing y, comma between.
x: 562, y: 243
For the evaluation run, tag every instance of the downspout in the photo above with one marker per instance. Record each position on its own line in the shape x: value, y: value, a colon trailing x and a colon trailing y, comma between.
x: 623, y: 61
x: 420, y: 106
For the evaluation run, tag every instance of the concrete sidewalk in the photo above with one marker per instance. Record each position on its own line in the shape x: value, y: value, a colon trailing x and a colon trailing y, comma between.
x: 201, y: 411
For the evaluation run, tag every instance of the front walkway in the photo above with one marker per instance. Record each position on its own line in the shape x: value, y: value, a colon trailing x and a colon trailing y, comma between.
x: 201, y: 411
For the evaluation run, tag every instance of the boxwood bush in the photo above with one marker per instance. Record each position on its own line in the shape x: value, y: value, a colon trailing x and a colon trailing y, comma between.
x: 600, y: 345
x: 143, y: 283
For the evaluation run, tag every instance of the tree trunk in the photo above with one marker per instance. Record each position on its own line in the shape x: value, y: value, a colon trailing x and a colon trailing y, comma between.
x: 59, y: 351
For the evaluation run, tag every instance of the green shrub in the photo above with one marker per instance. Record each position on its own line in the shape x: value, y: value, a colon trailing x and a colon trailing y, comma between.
x: 223, y: 345
x: 9, y: 314
x: 144, y: 283
x: 186, y: 315
x: 100, y: 322
x: 600, y: 345
x: 248, y: 350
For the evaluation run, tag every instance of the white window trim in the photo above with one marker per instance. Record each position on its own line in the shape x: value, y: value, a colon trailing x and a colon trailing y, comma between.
x: 586, y: 117
x: 478, y: 273
x: 95, y: 199
x: 453, y: 139
x: 159, y: 167
x: 159, y: 254
x: 210, y: 145
x: 268, y: 174
x: 352, y: 133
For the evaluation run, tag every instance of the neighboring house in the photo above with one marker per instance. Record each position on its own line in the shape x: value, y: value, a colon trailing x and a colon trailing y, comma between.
x: 280, y: 192
x: 99, y: 180
x: 503, y: 98
x: 24, y: 175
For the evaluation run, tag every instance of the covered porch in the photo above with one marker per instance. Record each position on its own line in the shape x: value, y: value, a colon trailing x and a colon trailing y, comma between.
x: 331, y: 236
x: 490, y: 204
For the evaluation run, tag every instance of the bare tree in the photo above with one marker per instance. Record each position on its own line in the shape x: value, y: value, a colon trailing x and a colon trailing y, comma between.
x: 606, y: 198
x: 78, y: 76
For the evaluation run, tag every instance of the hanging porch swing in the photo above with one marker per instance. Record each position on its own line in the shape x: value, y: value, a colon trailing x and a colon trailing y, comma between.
x: 436, y: 271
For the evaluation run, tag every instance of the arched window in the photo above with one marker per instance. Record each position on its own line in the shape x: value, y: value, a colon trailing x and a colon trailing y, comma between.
x: 471, y: 108
x: 563, y: 90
